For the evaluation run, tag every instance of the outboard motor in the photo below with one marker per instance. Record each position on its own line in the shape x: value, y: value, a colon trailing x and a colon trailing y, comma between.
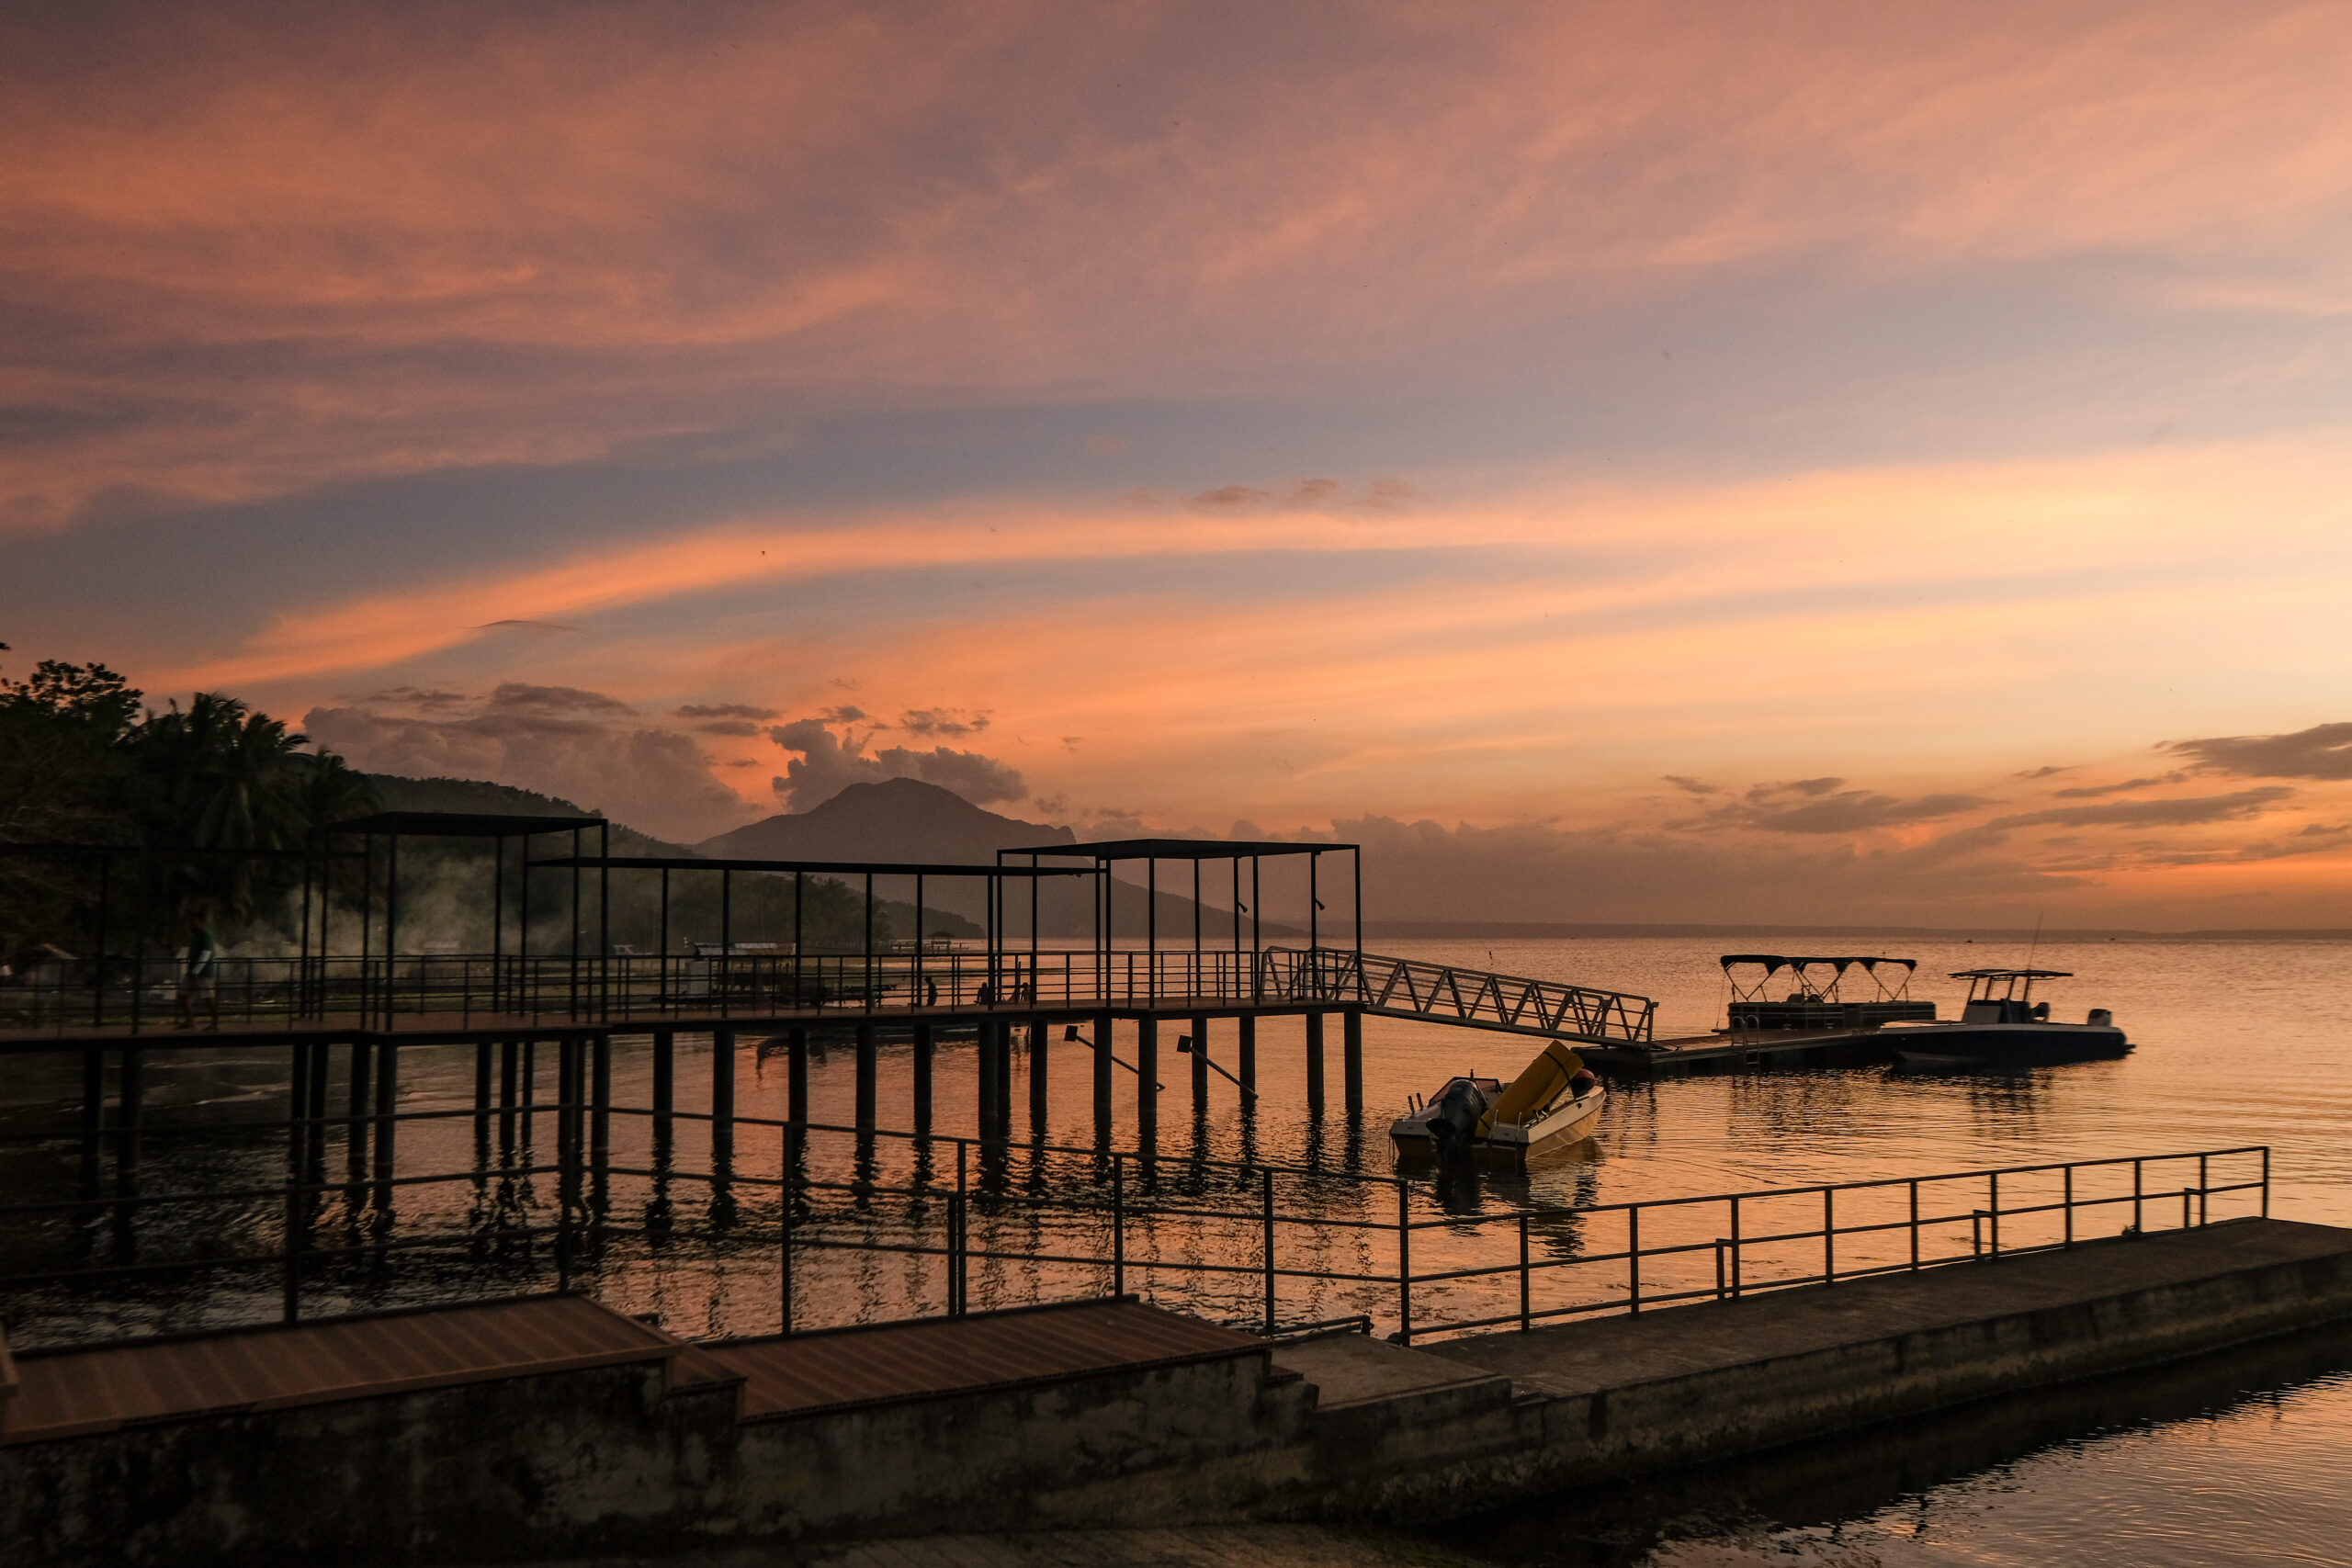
x: 1459, y: 1109
x: 2101, y: 1019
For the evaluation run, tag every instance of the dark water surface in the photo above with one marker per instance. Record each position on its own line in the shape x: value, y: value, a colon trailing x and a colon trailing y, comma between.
x: 2238, y: 1043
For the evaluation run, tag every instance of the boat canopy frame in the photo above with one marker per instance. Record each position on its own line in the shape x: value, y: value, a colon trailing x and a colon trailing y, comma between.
x: 1771, y: 963
x: 1982, y: 983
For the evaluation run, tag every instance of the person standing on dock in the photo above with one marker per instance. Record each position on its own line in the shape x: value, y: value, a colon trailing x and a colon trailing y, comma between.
x: 198, y: 976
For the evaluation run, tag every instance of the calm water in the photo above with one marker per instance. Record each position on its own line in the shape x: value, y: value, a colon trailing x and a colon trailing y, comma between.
x: 2237, y: 1044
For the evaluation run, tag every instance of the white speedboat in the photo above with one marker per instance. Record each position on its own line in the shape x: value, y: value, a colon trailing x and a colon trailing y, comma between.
x: 2003, y: 1026
x: 1549, y: 1108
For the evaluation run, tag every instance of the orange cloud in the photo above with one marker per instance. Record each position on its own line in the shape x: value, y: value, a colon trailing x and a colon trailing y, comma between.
x: 301, y: 254
x: 1552, y: 652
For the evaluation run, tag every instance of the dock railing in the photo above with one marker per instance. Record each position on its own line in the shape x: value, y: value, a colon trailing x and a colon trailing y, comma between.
x: 1448, y: 993
x: 1660, y: 1252
x: 462, y: 989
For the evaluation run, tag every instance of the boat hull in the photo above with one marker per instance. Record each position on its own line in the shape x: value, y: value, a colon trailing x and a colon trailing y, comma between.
x: 1559, y: 1129
x: 2006, y: 1044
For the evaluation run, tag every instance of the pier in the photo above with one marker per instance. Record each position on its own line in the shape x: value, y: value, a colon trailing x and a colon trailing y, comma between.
x: 557, y: 974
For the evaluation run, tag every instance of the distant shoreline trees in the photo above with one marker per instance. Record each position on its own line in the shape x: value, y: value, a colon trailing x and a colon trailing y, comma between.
x: 84, y: 762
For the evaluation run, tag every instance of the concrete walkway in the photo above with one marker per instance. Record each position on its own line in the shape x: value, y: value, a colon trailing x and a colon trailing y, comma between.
x: 1451, y: 1427
x: 1575, y: 1358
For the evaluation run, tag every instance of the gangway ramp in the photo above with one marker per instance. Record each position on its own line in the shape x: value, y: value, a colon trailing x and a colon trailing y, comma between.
x: 1448, y: 993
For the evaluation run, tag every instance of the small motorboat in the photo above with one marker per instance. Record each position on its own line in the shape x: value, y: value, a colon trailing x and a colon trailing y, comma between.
x: 2002, y: 1026
x: 1550, y: 1107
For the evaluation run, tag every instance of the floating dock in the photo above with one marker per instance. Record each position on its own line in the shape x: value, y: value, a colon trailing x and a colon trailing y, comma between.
x: 551, y: 1428
x: 1742, y: 1050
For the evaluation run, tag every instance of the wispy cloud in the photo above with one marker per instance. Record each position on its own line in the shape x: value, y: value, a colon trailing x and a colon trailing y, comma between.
x: 2323, y: 751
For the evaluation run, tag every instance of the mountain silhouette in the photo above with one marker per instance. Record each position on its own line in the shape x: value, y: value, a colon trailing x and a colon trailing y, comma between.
x: 907, y: 821
x: 896, y: 820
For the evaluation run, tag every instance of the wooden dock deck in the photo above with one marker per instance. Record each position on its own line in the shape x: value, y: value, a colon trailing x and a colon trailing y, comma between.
x: 1737, y: 1050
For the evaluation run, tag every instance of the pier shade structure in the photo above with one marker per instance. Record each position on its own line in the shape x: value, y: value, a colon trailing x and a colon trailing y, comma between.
x: 1079, y: 942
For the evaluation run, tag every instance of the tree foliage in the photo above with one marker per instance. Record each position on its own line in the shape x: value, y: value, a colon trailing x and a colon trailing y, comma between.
x: 84, y: 762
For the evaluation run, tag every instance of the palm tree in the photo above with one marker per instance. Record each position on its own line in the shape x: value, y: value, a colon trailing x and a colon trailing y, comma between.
x: 221, y: 776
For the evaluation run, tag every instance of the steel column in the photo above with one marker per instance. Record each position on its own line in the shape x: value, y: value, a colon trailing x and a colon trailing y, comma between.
x: 1352, y: 1058
x: 1040, y: 1055
x: 665, y: 1088
x: 1147, y: 1082
x: 925, y: 1045
x: 1103, y: 1065
x: 868, y: 1069
x: 795, y: 1073
x: 1315, y: 1063
x: 722, y: 1099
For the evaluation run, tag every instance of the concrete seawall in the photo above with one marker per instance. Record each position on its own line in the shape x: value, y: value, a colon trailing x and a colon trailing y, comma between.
x: 619, y: 1439
x: 1470, y: 1423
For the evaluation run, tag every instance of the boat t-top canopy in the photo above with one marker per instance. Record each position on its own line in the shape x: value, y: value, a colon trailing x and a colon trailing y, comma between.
x: 2012, y: 974
x: 1775, y: 961
x: 2004, y: 985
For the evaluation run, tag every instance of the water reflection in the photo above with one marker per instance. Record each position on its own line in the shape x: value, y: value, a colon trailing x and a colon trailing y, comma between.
x: 657, y: 1222
x: 2228, y: 1458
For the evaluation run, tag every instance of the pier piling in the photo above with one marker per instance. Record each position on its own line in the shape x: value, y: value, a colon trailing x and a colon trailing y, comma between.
x: 297, y: 1094
x: 388, y: 1089
x: 1147, y: 1082
x: 1351, y: 1059
x: 1040, y: 1057
x: 314, y: 1158
x: 795, y: 1073
x: 1102, y: 1068
x: 509, y: 1065
x: 93, y: 1111
x: 355, y: 1131
x: 867, y: 1070
x: 1005, y: 1078
x: 984, y: 1065
x: 481, y: 1096
x: 1315, y: 1063
x: 665, y: 1089
x: 1200, y: 1066
x: 722, y: 1100
x: 530, y: 1091
x: 600, y: 1127
x: 1245, y: 1066
x: 925, y: 1047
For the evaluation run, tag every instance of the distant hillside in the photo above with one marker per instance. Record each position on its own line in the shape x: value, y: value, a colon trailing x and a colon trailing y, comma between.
x: 897, y: 819
x: 396, y: 794
x: 908, y: 820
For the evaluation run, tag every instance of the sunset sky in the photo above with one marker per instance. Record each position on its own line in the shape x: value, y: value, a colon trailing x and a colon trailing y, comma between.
x: 1794, y: 462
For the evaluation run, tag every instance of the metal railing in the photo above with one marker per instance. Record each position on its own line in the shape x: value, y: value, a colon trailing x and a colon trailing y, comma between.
x: 1446, y: 993
x: 1273, y: 1247
x: 461, y: 989
x: 1714, y: 1238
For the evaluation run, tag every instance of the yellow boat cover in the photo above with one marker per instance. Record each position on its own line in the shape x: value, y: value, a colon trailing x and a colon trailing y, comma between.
x: 1532, y: 1093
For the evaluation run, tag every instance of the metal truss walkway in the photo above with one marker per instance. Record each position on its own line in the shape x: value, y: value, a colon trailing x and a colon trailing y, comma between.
x: 1446, y: 993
